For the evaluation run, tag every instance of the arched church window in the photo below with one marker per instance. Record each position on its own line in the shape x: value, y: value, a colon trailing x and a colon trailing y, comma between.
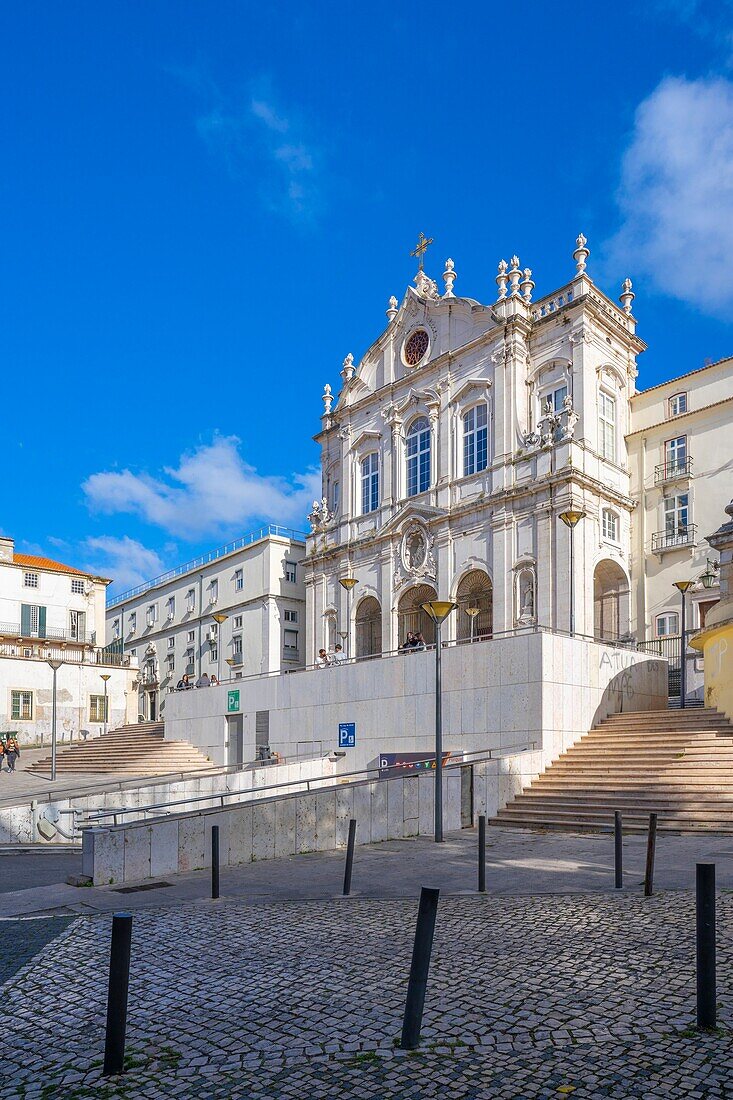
x: 418, y: 457
x: 370, y: 483
x: 475, y: 440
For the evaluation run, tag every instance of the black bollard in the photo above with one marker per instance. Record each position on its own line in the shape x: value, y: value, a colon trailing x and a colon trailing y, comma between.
x: 119, y: 981
x: 651, y: 848
x: 421, y: 951
x: 215, y: 861
x: 349, y: 856
x: 482, y: 854
x: 705, y: 913
x: 618, y: 850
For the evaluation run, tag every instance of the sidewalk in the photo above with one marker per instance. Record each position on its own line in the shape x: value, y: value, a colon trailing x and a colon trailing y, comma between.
x: 519, y: 862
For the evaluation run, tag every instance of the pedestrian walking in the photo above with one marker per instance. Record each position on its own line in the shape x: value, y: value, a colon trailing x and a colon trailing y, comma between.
x: 12, y: 752
x: 2, y: 754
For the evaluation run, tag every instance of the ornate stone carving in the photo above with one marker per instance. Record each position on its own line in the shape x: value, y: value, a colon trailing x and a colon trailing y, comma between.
x: 348, y: 370
x: 449, y: 278
x: 527, y: 286
x: 426, y: 287
x: 327, y: 400
x: 525, y: 598
x: 413, y: 558
x: 627, y: 296
x: 515, y: 275
x: 392, y: 311
x: 319, y: 516
x: 502, y: 279
x: 581, y: 254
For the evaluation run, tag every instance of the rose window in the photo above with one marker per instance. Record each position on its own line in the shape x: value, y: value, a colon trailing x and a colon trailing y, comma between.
x: 416, y: 347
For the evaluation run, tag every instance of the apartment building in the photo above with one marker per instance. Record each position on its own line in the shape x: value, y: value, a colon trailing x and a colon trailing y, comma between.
x: 233, y: 612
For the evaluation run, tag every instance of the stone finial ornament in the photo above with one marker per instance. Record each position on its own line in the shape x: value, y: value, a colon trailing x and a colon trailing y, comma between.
x: 581, y: 253
x: 515, y: 274
x: 501, y: 279
x: 449, y: 278
x: 527, y: 286
x: 627, y: 295
x: 348, y: 370
x: 327, y: 400
x: 392, y: 311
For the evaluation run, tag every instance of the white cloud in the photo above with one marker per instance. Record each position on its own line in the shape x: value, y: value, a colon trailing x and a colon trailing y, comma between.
x: 250, y: 137
x: 211, y: 491
x: 676, y: 194
x: 124, y: 560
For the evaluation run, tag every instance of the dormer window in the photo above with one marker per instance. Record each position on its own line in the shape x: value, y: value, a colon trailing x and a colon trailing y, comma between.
x: 678, y: 404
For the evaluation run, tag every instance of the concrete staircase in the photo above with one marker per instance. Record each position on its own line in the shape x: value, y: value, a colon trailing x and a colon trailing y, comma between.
x: 138, y: 749
x: 676, y: 763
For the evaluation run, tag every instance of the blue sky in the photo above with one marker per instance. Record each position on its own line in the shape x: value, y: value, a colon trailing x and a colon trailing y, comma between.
x: 205, y: 206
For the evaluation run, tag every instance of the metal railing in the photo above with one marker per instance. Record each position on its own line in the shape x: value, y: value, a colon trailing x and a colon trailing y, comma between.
x: 685, y: 534
x: 42, y: 650
x: 52, y: 633
x: 625, y: 642
x: 271, y: 529
x: 672, y: 470
x: 93, y: 817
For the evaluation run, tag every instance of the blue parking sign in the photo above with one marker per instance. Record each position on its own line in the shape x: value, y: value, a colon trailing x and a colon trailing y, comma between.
x: 347, y: 735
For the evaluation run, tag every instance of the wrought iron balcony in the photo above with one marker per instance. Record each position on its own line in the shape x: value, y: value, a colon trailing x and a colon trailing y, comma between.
x: 684, y: 534
x: 673, y: 470
x: 49, y: 633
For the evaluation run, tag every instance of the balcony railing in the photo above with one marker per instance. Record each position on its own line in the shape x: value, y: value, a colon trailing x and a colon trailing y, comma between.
x: 684, y: 534
x: 672, y: 470
x: 51, y: 633
x: 35, y: 650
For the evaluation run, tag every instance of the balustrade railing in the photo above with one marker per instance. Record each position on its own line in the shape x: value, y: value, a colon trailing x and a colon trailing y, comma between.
x: 52, y: 633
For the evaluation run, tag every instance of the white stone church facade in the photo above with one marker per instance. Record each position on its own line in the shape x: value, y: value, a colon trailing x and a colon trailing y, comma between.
x: 454, y: 446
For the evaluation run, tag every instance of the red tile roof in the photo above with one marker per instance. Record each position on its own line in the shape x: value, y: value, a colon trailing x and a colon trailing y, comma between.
x: 30, y: 561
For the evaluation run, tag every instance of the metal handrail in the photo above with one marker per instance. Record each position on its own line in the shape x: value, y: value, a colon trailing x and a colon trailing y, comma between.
x: 50, y: 633
x: 682, y: 535
x: 206, y: 559
x: 671, y: 469
x: 484, y: 754
x: 620, y: 643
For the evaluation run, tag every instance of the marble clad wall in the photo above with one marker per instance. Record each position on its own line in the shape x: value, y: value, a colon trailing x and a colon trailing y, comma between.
x: 533, y: 689
x: 304, y: 822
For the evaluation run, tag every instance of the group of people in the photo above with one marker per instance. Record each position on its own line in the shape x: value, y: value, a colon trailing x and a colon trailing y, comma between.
x: 203, y: 681
x: 413, y: 641
x: 328, y: 660
x: 9, y: 752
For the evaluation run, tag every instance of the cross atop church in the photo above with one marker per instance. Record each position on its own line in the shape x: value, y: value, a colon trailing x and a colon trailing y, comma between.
x: 423, y: 243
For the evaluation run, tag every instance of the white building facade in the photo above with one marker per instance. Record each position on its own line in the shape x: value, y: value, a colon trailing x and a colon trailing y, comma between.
x: 463, y: 435
x: 169, y: 626
x: 52, y: 611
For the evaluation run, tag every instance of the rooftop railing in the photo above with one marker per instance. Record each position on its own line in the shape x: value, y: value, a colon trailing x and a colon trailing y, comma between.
x: 270, y: 531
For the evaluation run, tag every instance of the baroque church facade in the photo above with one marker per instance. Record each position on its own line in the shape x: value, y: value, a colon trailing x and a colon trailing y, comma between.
x: 453, y: 448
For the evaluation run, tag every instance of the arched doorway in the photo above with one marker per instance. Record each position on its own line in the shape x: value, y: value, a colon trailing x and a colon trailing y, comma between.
x: 410, y: 615
x: 610, y: 601
x: 368, y: 627
x: 474, y: 590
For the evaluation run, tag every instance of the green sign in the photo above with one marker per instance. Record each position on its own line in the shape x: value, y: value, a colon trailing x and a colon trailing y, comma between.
x: 233, y: 700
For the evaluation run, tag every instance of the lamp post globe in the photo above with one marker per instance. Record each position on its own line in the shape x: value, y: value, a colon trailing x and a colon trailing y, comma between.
x: 105, y: 677
x: 571, y: 518
x: 219, y: 617
x: 438, y: 610
x: 348, y: 583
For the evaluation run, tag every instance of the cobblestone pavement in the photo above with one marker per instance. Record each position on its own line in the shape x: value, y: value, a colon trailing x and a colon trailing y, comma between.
x: 589, y: 996
x: 20, y: 941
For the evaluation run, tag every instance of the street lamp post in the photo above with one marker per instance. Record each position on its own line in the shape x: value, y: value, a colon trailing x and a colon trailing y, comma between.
x: 231, y: 662
x: 348, y: 583
x: 55, y: 665
x: 438, y: 610
x: 105, y: 677
x: 472, y: 612
x: 571, y: 519
x: 219, y: 617
x: 682, y: 587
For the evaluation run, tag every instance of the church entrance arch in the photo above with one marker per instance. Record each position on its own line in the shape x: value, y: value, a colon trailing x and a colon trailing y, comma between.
x: 410, y: 615
x: 474, y: 591
x: 368, y: 626
x: 610, y: 601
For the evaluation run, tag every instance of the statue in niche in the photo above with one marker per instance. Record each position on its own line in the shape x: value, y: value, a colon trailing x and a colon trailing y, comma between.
x: 525, y: 596
x: 415, y: 550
